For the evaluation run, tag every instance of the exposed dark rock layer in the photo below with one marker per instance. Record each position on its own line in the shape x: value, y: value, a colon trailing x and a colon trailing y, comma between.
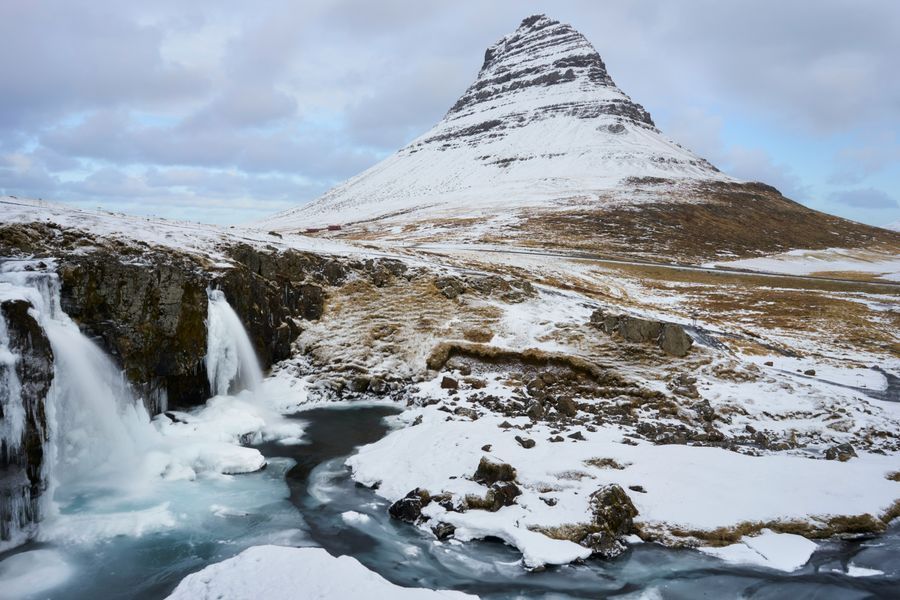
x: 21, y: 469
x: 670, y: 337
x: 147, y: 306
x: 543, y: 52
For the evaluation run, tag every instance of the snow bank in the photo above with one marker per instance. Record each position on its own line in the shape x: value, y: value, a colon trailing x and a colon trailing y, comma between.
x: 781, y: 551
x: 830, y: 260
x: 278, y: 572
x: 689, y: 487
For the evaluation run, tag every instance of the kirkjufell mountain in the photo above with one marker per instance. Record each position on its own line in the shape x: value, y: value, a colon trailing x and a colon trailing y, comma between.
x: 544, y: 149
x: 542, y: 324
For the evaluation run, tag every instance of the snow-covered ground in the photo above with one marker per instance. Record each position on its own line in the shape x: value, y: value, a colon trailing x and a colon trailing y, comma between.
x: 278, y: 572
x: 197, y: 238
x: 685, y: 487
x: 837, y: 261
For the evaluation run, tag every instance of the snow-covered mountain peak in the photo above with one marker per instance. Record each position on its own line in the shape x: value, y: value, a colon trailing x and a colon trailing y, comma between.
x: 543, y: 123
x: 540, y: 54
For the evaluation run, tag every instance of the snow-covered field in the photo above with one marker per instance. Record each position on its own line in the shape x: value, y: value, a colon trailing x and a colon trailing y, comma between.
x: 684, y: 487
x: 186, y: 236
x: 836, y: 261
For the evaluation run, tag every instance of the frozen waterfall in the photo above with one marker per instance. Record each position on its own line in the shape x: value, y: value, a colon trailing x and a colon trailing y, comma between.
x: 231, y: 362
x: 97, y: 429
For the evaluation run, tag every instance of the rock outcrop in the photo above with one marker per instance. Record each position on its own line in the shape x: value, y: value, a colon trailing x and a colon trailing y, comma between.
x: 613, y: 517
x: 671, y: 337
x: 148, y: 305
x: 22, y: 461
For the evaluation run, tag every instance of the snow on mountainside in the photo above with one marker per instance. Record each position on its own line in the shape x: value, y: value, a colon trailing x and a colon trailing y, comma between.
x: 542, y: 122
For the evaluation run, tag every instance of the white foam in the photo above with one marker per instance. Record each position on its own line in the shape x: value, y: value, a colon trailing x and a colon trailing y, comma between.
x: 32, y: 573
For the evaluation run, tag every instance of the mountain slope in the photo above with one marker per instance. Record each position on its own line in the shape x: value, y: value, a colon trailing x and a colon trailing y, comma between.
x: 543, y: 120
x: 543, y: 150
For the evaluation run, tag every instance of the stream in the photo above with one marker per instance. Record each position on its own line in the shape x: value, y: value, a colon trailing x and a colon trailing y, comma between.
x: 320, y: 505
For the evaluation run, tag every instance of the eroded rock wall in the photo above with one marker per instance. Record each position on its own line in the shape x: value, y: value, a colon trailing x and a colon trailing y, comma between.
x: 21, y: 465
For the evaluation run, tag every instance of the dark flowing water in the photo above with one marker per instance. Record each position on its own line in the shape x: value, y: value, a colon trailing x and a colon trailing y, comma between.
x: 322, y: 489
x: 310, y: 511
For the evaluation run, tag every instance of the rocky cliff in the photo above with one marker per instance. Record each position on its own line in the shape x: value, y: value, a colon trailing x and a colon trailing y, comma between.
x: 22, y: 460
x: 147, y: 305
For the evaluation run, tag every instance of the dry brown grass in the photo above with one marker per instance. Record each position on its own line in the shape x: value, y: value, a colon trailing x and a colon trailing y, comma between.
x: 444, y: 351
x: 697, y: 224
x: 814, y: 528
x: 605, y: 463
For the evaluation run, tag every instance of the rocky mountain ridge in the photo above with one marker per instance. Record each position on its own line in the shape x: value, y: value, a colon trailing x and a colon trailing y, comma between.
x: 543, y: 150
x: 543, y: 122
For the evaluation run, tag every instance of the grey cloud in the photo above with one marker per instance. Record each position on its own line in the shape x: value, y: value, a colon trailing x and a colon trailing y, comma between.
x: 865, y: 198
x: 117, y: 137
x: 59, y: 56
x: 305, y: 94
x: 873, y: 154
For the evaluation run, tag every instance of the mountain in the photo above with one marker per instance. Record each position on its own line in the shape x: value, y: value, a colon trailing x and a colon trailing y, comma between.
x: 544, y: 149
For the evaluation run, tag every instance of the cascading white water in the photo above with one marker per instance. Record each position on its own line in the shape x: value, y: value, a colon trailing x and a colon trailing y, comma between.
x: 108, y: 468
x: 97, y: 428
x: 231, y: 362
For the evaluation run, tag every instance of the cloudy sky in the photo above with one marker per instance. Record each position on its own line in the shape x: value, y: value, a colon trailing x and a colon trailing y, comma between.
x: 225, y: 110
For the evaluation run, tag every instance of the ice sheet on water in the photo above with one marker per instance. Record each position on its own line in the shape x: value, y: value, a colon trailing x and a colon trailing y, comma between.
x: 32, y: 573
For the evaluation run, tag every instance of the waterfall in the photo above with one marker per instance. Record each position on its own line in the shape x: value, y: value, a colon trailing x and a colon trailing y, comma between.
x: 97, y: 429
x: 231, y: 362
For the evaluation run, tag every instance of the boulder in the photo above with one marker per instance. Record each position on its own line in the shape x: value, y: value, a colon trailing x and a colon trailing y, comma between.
x: 673, y: 340
x: 409, y: 508
x: 525, y: 442
x: 449, y: 287
x: 500, y: 494
x: 359, y: 384
x: 704, y: 410
x: 841, y: 452
x: 639, y: 330
x: 489, y: 472
x: 612, y: 518
x: 448, y: 383
x: 566, y: 406
x: 668, y: 336
x: 442, y: 531
x: 535, y: 410
x: 464, y: 411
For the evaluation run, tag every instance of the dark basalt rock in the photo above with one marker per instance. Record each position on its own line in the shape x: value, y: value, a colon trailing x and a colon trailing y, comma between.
x: 450, y: 287
x: 500, y: 494
x: 841, y: 452
x: 673, y: 340
x: 147, y: 306
x: 409, y: 508
x: 510, y: 66
x: 21, y: 469
x: 525, y: 442
x: 443, y: 531
x: 490, y: 472
x: 613, y: 517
